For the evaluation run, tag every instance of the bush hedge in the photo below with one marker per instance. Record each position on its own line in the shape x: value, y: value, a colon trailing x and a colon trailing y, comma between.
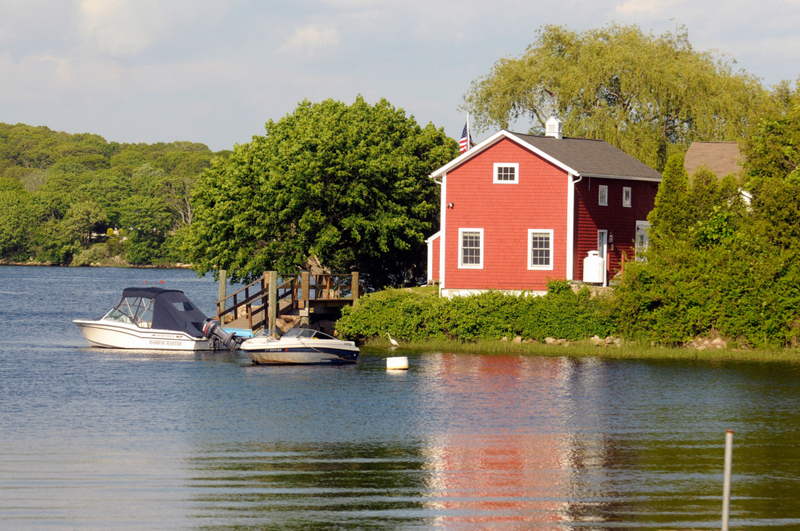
x: 414, y: 316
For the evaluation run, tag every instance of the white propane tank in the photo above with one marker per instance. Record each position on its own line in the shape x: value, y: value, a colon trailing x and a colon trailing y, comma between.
x: 594, y: 268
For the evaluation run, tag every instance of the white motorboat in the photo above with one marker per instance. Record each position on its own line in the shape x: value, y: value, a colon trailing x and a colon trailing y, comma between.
x: 299, y: 346
x: 155, y: 319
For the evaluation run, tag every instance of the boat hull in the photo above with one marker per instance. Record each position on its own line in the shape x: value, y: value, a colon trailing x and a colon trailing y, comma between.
x: 110, y: 334
x: 291, y: 352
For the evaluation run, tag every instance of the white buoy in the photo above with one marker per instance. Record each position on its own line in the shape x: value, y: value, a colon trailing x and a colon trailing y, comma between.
x: 397, y: 363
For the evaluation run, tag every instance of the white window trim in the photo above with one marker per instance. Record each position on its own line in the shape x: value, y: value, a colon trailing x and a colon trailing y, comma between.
x: 462, y: 265
x: 600, y: 195
x: 549, y: 267
x: 514, y: 165
x: 630, y: 196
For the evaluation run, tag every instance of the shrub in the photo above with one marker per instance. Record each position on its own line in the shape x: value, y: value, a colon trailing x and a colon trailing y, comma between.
x: 412, y: 316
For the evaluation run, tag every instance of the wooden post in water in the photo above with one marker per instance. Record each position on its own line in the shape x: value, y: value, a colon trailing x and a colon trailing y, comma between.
x: 223, y: 290
x: 726, y: 482
x: 354, y: 286
x: 273, y: 299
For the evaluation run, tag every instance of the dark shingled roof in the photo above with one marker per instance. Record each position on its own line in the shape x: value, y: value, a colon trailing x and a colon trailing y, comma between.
x: 591, y: 157
x: 720, y: 157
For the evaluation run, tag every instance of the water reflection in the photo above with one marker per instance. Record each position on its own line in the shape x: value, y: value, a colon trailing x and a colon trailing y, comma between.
x: 488, y: 441
x: 100, y: 439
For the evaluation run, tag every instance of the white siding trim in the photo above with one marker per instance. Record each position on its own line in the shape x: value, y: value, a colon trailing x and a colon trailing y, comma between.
x: 570, y: 225
x: 430, y: 241
x: 443, y: 232
x: 450, y: 293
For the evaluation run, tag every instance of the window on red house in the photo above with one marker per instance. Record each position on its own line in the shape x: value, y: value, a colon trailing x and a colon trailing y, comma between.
x: 470, y: 248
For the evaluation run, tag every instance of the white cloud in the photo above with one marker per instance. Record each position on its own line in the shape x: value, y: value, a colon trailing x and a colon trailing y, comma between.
x: 643, y: 7
x: 121, y: 27
x: 311, y: 39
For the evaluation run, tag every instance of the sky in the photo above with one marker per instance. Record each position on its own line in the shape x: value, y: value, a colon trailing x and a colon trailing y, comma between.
x: 215, y: 71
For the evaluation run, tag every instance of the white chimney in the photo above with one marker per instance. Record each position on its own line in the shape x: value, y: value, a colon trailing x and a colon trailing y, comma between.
x: 553, y: 127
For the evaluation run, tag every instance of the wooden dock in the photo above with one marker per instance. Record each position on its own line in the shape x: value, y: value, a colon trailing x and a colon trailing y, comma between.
x: 261, y: 303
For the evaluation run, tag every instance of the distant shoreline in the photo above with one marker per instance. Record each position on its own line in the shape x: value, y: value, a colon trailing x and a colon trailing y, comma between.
x: 118, y: 264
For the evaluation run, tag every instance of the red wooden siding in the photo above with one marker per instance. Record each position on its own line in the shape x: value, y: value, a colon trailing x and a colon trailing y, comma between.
x: 616, y: 219
x: 505, y: 212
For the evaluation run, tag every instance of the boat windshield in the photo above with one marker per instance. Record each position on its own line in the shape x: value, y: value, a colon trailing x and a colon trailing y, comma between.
x: 276, y: 334
x: 306, y: 333
x: 133, y: 310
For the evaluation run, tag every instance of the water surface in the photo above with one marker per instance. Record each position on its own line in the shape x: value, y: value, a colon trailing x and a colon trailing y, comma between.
x: 96, y: 439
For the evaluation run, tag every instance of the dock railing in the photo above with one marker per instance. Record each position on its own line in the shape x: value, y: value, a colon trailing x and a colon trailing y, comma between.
x: 269, y: 297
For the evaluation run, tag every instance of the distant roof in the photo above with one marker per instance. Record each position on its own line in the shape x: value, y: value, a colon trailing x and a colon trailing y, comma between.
x: 579, y: 156
x: 720, y: 157
x: 592, y: 157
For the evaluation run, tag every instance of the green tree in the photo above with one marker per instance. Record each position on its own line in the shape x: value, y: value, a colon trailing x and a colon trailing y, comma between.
x: 17, y: 221
x: 147, y: 222
x: 347, y: 184
x: 642, y: 93
x: 81, y: 220
x: 773, y: 151
x: 668, y: 218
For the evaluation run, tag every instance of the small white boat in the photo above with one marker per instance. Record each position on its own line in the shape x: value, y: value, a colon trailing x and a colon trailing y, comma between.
x: 299, y: 346
x: 155, y: 319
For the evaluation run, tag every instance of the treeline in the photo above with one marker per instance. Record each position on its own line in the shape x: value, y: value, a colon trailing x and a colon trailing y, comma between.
x: 78, y: 199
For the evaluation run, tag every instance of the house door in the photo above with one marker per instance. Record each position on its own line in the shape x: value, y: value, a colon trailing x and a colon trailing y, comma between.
x: 602, y: 250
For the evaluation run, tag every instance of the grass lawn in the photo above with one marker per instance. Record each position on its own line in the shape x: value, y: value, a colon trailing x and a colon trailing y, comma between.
x: 630, y: 350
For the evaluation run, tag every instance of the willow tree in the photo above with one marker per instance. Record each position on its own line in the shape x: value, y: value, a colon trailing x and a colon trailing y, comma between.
x: 347, y: 184
x: 640, y: 92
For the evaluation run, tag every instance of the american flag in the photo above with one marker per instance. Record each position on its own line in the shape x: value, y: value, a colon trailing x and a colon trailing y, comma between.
x: 466, y: 139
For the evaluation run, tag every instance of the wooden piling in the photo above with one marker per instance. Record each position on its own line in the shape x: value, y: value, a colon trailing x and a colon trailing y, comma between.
x: 273, y: 299
x: 223, y: 290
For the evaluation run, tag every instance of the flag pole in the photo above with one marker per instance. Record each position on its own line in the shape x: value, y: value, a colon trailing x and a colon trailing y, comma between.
x: 469, y: 135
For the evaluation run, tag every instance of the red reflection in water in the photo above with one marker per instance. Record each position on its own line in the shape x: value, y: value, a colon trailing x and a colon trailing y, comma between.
x: 517, y: 480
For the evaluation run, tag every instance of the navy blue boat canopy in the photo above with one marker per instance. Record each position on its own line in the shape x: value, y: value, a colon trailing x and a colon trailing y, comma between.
x: 165, y: 309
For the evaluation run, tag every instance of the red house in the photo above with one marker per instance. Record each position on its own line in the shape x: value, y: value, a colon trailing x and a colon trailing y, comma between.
x: 518, y: 210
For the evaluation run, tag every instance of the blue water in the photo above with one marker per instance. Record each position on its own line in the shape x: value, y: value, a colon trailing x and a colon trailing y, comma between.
x: 99, y: 439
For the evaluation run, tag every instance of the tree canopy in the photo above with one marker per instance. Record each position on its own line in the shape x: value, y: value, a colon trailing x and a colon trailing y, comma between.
x: 640, y: 92
x: 347, y: 184
x: 60, y: 193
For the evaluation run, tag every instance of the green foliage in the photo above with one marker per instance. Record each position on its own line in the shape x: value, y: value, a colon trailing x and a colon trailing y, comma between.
x: 80, y: 185
x: 413, y: 316
x: 94, y: 254
x: 81, y: 220
x: 17, y: 220
x: 715, y: 265
x: 773, y: 151
x: 148, y: 222
x: 644, y: 94
x: 347, y: 184
x: 668, y: 218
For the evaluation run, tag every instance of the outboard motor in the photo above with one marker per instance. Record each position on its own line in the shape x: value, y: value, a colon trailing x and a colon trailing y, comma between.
x: 212, y: 328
